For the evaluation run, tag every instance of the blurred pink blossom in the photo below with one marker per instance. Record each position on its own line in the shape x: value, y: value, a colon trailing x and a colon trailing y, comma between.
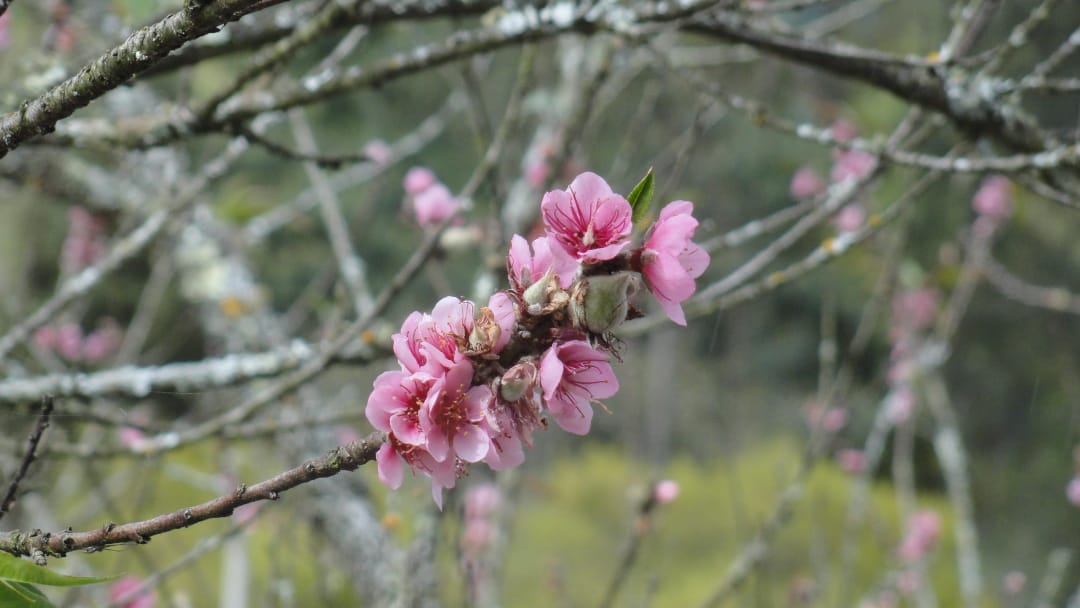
x: 46, y: 337
x: 850, y: 218
x: 851, y: 461
x: 434, y: 205
x: 994, y: 198
x: 1014, y: 582
x: 899, y: 404
x: 843, y: 131
x: 915, y: 309
x: 482, y: 500
x: 419, y: 179
x: 924, y: 530
x: 102, y: 342
x: 666, y: 491
x: 378, y: 152
x: 1072, y: 491
x: 131, y: 437
x: 5, y: 35
x: 806, y: 183
x: 537, y: 173
x: 125, y: 592
x: 85, y: 242
x: 852, y: 164
x: 69, y: 341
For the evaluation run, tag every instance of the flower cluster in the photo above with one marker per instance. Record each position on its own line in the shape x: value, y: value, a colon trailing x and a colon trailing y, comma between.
x: 474, y: 383
x: 429, y: 199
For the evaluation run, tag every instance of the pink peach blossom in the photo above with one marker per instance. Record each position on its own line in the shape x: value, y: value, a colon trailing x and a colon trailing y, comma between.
x: 125, y: 592
x: 572, y: 374
x: 852, y: 164
x: 85, y: 242
x: 994, y: 198
x: 482, y: 501
x: 451, y: 416
x: 587, y: 222
x: 395, y: 402
x: 899, y: 404
x: 419, y: 179
x: 46, y: 338
x: 670, y: 261
x: 527, y: 266
x: 924, y: 530
x: 666, y: 491
x: 432, y: 342
x: 378, y: 152
x: 505, y: 314
x: 1014, y: 582
x: 843, y: 131
x: 850, y: 218
x: 806, y: 183
x: 1072, y: 491
x: 434, y: 205
x: 915, y: 309
x: 69, y: 341
x: 851, y: 461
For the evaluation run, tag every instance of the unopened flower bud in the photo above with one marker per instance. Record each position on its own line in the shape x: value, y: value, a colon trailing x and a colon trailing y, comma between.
x: 600, y: 303
x: 517, y: 380
x: 538, y: 294
x: 485, y: 332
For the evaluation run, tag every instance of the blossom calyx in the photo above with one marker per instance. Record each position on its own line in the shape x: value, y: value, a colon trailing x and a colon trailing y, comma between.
x: 545, y: 295
x: 600, y: 303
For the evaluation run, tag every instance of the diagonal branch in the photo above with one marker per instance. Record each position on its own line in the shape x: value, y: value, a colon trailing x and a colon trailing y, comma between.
x: 59, y: 544
x: 28, y: 458
x: 141, y: 50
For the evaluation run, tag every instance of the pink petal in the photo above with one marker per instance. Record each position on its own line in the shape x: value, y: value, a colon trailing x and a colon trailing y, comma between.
x: 695, y: 260
x: 589, y: 187
x: 391, y: 468
x: 406, y: 429
x: 471, y: 444
x: 551, y: 371
x: 574, y: 419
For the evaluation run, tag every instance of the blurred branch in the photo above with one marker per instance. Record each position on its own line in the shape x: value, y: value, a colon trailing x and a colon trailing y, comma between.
x: 28, y: 456
x: 59, y: 544
x: 141, y: 50
x: 138, y: 382
x: 1009, y: 285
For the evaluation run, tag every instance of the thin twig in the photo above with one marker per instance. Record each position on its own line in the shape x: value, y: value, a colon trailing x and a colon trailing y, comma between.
x: 28, y: 457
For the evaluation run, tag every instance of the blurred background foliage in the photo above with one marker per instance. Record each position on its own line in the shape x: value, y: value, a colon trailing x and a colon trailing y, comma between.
x: 727, y: 423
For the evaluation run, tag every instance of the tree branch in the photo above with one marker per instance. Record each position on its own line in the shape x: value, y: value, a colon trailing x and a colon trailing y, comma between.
x: 58, y: 544
x: 28, y: 458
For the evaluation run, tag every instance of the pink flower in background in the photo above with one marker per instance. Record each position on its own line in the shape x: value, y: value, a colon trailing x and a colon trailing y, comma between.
x: 69, y: 341
x: 378, y: 152
x: 924, y: 530
x: 131, y: 437
x: 125, y: 592
x: 850, y: 218
x: 806, y: 183
x: 851, y: 461
x: 843, y: 131
x: 666, y: 491
x: 1014, y: 582
x: 572, y: 374
x: 103, y: 342
x: 1072, y: 491
x: 537, y: 173
x: 915, y: 309
x: 419, y: 179
x: 587, y: 222
x: 994, y: 198
x: 5, y: 35
x: 528, y: 266
x: 899, y: 404
x: 834, y: 419
x: 852, y: 164
x: 452, y: 414
x: 46, y: 337
x: 434, y: 205
x: 85, y: 242
x: 670, y: 261
x: 482, y: 500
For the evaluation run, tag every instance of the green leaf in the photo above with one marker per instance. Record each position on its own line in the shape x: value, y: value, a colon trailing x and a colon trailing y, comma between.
x: 22, y: 595
x: 19, y: 570
x: 641, y: 196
